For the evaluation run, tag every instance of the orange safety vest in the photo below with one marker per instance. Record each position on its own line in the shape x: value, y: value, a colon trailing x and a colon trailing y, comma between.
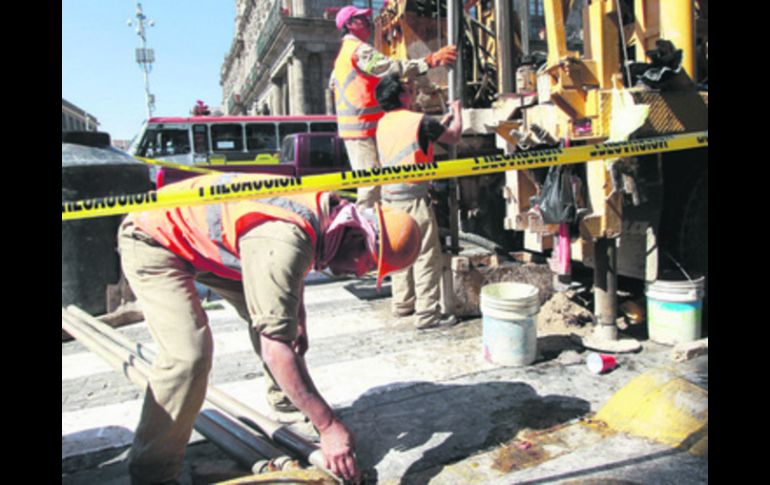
x: 398, y: 143
x: 357, y: 107
x: 207, y: 235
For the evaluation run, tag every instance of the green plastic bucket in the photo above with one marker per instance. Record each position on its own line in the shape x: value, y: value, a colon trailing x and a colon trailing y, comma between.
x: 509, y: 323
x: 674, y: 310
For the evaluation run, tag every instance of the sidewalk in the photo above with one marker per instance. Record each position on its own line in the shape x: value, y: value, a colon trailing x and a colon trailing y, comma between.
x: 426, y: 407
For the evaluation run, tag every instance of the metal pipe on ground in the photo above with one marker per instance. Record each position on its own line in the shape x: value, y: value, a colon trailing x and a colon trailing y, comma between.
x: 279, y: 433
x: 249, y: 452
x: 239, y: 451
x: 97, y: 346
x: 275, y: 458
x: 247, y: 435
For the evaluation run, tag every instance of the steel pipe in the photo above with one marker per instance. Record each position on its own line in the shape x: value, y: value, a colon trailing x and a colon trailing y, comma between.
x: 505, y: 64
x: 252, y: 452
x: 243, y: 454
x: 606, y: 287
x: 248, y: 449
x: 279, y: 433
x: 246, y: 435
x: 97, y: 346
x: 455, y: 88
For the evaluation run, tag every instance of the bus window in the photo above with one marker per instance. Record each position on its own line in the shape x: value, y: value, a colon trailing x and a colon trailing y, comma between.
x: 325, y: 127
x: 321, y: 152
x: 164, y: 142
x: 285, y: 129
x: 146, y: 146
x: 260, y: 137
x: 175, y: 142
x: 227, y: 138
x: 200, y: 139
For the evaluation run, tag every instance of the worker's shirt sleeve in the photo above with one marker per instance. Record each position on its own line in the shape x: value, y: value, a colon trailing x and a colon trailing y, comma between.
x: 373, y: 62
x: 430, y: 131
x: 275, y: 257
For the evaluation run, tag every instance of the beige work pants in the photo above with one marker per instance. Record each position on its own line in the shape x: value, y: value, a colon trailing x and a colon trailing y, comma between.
x: 362, y: 153
x: 418, y: 287
x: 278, y: 254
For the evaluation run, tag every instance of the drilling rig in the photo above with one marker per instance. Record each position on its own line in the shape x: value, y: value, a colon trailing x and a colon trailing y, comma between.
x: 534, y: 74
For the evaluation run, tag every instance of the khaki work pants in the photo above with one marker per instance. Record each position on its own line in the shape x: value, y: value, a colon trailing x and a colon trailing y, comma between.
x: 278, y: 254
x: 362, y: 153
x: 418, y: 287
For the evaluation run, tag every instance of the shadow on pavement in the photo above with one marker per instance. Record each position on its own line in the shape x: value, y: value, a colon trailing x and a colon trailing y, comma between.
x: 411, y: 430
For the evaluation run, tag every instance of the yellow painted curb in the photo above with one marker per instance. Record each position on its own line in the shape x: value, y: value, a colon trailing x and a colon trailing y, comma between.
x: 662, y: 406
x: 308, y: 476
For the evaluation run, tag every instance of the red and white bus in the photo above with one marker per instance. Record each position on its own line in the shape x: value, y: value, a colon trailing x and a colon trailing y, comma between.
x: 230, y: 140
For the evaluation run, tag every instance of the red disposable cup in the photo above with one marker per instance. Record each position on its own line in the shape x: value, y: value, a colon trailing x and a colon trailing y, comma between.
x: 601, y: 363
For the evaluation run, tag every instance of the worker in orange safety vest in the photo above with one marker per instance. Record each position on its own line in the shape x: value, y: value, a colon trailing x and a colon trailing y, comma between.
x: 255, y: 254
x: 407, y: 137
x: 357, y: 70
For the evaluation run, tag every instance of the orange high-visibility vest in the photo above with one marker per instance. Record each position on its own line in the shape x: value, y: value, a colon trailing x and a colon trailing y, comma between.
x: 357, y: 107
x: 398, y: 143
x: 207, y: 235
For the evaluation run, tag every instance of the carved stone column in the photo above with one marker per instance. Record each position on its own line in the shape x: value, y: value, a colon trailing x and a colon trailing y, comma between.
x: 276, y: 105
x: 296, y: 75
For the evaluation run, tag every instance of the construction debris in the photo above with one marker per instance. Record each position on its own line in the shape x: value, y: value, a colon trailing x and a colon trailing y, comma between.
x: 471, y: 273
x: 685, y: 351
x: 561, y: 315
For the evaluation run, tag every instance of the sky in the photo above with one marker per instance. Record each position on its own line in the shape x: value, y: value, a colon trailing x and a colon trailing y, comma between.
x: 99, y: 71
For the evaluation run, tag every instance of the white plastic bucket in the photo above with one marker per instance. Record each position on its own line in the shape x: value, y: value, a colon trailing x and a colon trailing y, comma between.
x: 509, y: 328
x: 674, y: 310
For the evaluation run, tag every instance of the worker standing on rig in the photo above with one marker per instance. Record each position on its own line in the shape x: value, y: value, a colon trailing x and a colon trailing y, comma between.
x: 357, y: 70
x: 255, y: 254
x: 407, y: 137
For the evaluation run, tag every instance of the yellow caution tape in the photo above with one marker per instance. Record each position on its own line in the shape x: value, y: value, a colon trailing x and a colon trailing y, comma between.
x: 123, y: 204
x: 178, y: 166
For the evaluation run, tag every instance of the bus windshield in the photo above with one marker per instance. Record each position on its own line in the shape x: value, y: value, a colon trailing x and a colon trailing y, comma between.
x: 164, y: 143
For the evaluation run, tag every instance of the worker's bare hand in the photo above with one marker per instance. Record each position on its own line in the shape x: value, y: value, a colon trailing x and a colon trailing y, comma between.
x: 338, y: 448
x: 454, y: 110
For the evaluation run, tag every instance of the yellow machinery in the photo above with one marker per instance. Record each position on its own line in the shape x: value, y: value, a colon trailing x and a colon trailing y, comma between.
x: 547, y: 72
x: 575, y: 95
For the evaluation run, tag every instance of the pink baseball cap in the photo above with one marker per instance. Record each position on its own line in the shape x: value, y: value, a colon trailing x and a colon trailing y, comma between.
x: 346, y: 13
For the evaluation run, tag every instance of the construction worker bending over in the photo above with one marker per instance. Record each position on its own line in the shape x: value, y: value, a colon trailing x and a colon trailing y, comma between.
x: 255, y: 254
x: 405, y: 137
x: 357, y: 70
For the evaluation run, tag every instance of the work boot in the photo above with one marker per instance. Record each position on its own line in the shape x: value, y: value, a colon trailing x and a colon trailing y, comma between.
x: 403, y: 313
x: 285, y: 412
x: 439, y: 321
x: 448, y: 320
x: 295, y: 420
x: 299, y: 424
x: 305, y: 429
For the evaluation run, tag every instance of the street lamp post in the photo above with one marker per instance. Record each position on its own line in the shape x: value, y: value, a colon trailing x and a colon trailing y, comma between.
x: 144, y: 56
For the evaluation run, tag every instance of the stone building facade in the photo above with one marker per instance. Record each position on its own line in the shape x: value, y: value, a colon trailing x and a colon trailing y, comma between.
x: 281, y: 57
x: 74, y: 118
